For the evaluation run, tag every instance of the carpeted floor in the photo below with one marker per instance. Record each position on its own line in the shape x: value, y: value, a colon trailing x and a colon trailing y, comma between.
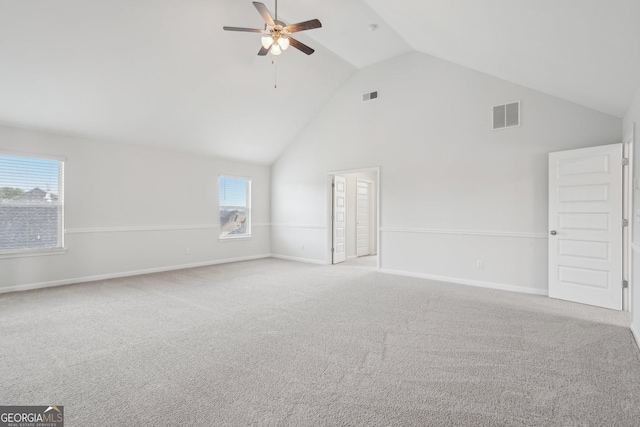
x: 273, y: 342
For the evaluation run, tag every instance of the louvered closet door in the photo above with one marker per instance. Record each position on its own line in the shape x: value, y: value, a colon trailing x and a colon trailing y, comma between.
x: 339, y: 219
x: 363, y: 221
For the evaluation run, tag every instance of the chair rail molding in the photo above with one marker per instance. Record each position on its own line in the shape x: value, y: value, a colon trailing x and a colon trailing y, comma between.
x: 489, y: 233
x: 150, y: 228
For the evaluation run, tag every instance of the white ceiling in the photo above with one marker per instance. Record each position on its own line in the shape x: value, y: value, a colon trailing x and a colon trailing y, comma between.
x: 164, y: 73
x: 585, y: 51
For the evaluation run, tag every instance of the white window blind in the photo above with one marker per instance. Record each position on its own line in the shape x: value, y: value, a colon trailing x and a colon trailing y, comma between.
x: 31, y: 204
x: 235, y: 207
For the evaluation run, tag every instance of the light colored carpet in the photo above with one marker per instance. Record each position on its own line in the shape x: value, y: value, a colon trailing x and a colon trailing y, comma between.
x: 273, y: 342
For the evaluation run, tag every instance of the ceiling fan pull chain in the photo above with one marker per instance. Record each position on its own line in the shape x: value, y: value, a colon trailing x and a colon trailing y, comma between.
x: 275, y: 73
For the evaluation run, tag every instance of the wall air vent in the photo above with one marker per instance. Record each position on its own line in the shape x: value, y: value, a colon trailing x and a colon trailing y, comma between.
x: 370, y: 96
x: 506, y: 116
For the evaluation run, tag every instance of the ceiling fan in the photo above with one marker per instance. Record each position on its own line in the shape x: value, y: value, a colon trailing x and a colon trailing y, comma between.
x: 277, y: 35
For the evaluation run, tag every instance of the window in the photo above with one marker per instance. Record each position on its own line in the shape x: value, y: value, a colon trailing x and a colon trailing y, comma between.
x: 235, y: 207
x: 31, y: 204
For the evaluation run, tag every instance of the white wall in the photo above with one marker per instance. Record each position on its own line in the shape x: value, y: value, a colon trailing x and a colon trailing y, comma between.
x: 130, y: 209
x: 633, y: 116
x: 452, y: 190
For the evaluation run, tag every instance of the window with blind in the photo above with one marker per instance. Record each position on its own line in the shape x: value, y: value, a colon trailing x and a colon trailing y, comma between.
x: 31, y: 204
x: 234, y: 198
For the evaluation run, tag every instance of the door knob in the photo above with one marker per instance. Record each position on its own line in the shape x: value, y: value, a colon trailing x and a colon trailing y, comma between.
x: 554, y: 232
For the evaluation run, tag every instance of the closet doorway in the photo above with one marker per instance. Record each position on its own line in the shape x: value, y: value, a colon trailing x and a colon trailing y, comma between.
x: 353, y: 215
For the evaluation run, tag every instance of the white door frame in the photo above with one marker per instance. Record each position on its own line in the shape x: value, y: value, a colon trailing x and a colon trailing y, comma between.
x: 329, y: 208
x: 628, y: 189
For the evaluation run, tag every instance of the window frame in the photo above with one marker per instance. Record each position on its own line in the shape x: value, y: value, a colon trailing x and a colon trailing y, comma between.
x: 61, y: 248
x: 248, y: 234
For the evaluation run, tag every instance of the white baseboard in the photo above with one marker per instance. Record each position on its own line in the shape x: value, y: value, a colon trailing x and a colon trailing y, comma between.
x: 477, y: 283
x: 636, y: 335
x: 292, y: 258
x: 63, y: 282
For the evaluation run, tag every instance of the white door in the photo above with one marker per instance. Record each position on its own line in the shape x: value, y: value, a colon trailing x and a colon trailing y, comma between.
x: 363, y: 222
x: 585, y: 226
x: 339, y: 219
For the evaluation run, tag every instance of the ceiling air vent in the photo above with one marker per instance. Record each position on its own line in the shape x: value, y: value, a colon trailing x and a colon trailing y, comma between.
x: 370, y: 96
x: 506, y: 116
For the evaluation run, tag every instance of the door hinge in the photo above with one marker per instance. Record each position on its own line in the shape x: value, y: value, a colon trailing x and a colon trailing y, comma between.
x: 332, y: 250
x: 625, y: 222
x: 625, y: 284
x: 333, y: 185
x: 625, y: 161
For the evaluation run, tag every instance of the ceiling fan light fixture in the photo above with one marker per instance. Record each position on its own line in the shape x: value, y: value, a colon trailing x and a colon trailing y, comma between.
x: 283, y: 42
x: 275, y: 49
x: 267, y: 41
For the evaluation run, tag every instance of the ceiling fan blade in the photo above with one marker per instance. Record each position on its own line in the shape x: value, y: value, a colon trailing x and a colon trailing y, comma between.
x: 248, y: 30
x: 264, y: 12
x: 301, y: 26
x: 263, y: 51
x: 300, y: 46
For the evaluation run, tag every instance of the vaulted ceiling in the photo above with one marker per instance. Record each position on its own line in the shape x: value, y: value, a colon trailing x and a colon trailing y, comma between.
x: 163, y: 72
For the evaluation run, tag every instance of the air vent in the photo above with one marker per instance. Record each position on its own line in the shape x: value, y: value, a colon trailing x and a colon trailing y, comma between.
x: 370, y: 96
x: 506, y: 116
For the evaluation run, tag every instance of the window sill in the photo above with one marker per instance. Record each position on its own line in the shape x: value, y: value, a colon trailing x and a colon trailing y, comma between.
x: 232, y: 238
x: 30, y: 253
